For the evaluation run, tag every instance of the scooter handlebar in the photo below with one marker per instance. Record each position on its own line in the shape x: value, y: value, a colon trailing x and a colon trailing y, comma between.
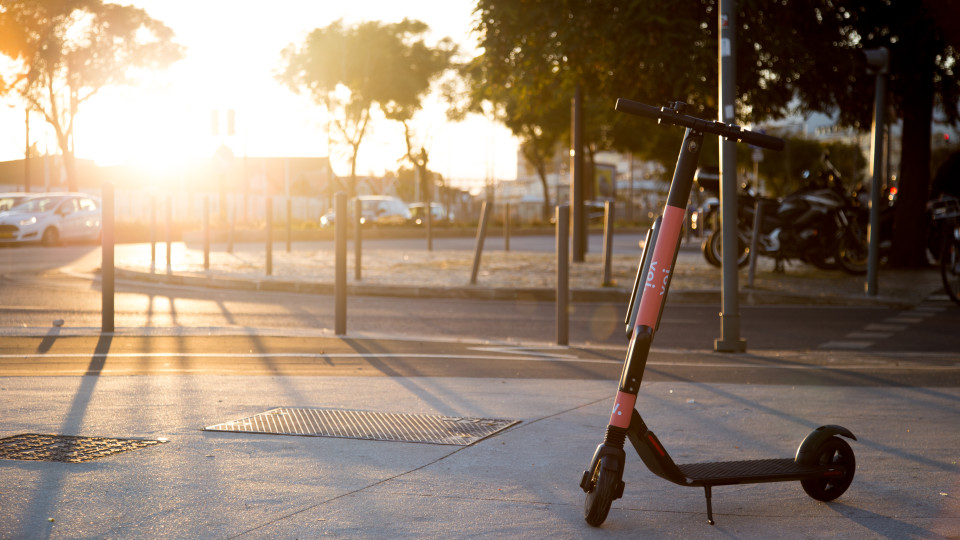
x: 672, y: 116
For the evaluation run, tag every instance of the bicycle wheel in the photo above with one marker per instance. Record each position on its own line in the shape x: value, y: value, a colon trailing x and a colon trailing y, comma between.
x: 950, y: 266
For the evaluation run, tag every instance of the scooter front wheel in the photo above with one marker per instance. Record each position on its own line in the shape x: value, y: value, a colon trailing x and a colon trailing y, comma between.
x: 604, y: 486
x: 833, y: 452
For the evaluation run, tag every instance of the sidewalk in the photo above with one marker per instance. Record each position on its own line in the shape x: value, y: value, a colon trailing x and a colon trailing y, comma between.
x: 310, y: 267
x: 519, y: 483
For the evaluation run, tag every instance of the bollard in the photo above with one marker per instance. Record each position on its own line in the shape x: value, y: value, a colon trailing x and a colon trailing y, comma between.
x: 757, y: 220
x: 506, y: 227
x: 233, y: 223
x: 269, y: 236
x: 357, y: 239
x: 608, y: 210
x: 563, y: 275
x: 169, y: 231
x: 340, y: 263
x: 289, y: 222
x: 429, y: 221
x: 481, y: 236
x: 153, y: 232
x: 206, y: 233
x: 106, y: 252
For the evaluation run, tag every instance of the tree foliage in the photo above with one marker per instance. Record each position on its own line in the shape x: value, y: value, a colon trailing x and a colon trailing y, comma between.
x: 793, y: 56
x: 352, y: 69
x: 63, y: 52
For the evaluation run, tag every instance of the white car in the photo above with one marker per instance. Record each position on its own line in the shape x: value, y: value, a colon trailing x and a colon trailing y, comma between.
x: 9, y: 200
x: 50, y: 218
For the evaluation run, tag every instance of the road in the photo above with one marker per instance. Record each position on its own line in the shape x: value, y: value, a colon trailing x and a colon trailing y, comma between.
x: 162, y: 328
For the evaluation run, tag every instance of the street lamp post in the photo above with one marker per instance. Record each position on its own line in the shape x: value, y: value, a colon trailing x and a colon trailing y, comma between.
x: 26, y: 150
x: 878, y: 61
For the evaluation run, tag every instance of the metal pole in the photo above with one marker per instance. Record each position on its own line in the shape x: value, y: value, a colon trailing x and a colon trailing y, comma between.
x: 269, y: 245
x: 206, y: 232
x: 357, y: 240
x: 878, y: 59
x: 563, y: 275
x: 169, y: 231
x: 286, y: 192
x: 576, y: 178
x: 428, y: 205
x: 730, y: 340
x: 506, y: 227
x: 106, y: 266
x: 340, y: 264
x: 26, y: 151
x: 233, y: 223
x: 608, y: 210
x: 289, y: 222
x: 153, y: 232
x: 757, y: 220
x: 481, y: 236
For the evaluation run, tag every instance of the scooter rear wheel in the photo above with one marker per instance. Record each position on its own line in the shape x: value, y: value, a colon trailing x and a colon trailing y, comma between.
x: 601, y: 494
x: 833, y: 451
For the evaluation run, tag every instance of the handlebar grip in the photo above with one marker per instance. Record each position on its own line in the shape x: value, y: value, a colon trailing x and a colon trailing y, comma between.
x: 762, y: 140
x: 637, y: 108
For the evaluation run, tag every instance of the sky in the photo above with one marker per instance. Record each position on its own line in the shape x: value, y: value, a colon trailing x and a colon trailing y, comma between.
x: 232, y: 53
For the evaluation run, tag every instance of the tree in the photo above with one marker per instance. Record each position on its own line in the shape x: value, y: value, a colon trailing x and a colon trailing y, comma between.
x: 351, y: 70
x: 65, y: 51
x: 792, y: 56
x: 538, y: 119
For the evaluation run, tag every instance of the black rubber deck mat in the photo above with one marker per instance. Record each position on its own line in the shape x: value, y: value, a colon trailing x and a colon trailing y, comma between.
x: 66, y: 448
x: 367, y: 425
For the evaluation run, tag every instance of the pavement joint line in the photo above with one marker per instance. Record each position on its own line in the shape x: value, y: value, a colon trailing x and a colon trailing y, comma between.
x: 712, y: 365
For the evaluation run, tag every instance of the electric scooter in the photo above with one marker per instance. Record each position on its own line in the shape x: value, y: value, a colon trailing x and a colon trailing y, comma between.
x: 824, y: 463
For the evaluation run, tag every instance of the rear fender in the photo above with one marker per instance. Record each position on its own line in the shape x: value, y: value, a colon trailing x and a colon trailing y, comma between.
x: 807, y: 451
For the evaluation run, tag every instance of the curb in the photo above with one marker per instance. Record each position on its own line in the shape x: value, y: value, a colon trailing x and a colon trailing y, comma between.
x: 535, y: 294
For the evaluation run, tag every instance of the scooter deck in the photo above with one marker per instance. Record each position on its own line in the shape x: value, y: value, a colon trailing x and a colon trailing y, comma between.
x: 755, y: 471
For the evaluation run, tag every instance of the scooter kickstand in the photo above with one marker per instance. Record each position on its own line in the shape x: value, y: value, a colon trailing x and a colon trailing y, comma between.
x: 707, y: 491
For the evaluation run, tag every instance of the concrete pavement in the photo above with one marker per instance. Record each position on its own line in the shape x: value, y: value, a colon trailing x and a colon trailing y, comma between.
x: 521, y: 482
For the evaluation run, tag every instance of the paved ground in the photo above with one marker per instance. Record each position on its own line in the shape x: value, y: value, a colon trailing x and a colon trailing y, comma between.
x: 521, y: 482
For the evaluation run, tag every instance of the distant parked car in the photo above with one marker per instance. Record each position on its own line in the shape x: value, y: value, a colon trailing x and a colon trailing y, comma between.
x: 374, y: 210
x: 9, y: 200
x: 438, y: 214
x: 50, y: 218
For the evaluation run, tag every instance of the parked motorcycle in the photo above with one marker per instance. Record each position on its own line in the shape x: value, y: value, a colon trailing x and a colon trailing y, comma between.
x: 819, y: 224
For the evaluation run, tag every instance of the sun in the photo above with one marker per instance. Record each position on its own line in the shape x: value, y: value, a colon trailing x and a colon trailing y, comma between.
x: 152, y: 128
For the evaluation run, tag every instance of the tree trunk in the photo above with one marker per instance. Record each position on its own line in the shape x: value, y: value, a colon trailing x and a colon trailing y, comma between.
x: 69, y: 161
x: 352, y: 188
x: 547, y: 207
x: 910, y: 220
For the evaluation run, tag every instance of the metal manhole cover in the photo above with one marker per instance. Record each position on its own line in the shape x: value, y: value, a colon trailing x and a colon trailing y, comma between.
x: 66, y: 448
x: 420, y: 428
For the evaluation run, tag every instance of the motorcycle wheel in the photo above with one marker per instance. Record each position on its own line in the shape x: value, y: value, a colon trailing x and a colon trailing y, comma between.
x: 716, y: 249
x: 707, y: 248
x: 853, y: 253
